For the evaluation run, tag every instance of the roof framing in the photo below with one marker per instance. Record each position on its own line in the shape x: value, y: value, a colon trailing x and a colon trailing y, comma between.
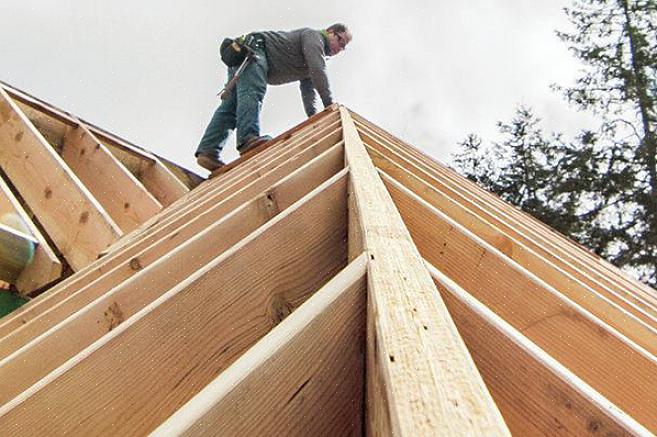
x: 335, y: 281
x: 77, y: 187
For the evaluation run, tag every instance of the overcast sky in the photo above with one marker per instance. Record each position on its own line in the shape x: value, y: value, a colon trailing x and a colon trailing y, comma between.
x: 428, y: 71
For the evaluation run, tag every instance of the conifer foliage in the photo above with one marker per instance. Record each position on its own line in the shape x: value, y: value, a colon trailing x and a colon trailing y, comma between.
x: 600, y: 188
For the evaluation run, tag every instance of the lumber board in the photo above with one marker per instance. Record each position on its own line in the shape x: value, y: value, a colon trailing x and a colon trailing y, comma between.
x: 252, y: 170
x: 572, y: 249
x: 6, y: 207
x: 16, y: 252
x: 73, y: 218
x: 305, y: 377
x: 275, y: 148
x: 304, y: 132
x: 582, y: 258
x: 563, y: 276
x: 118, y: 269
x: 421, y: 379
x: 45, y: 266
x: 325, y: 164
x: 620, y: 313
x: 201, y: 327
x: 328, y: 113
x: 121, y: 194
x: 609, y: 362
x: 216, y: 192
x: 224, y: 202
x: 438, y: 169
x: 536, y: 394
x: 55, y: 345
x: 276, y: 154
x: 213, y: 187
x: 60, y: 119
x: 51, y: 129
x: 610, y: 276
x: 190, y: 179
x: 54, y: 122
x: 161, y: 182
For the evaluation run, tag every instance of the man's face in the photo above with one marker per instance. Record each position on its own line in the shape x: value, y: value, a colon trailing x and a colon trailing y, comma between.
x: 338, y: 41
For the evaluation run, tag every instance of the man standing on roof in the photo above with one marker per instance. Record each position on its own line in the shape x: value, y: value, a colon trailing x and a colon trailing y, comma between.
x: 282, y: 57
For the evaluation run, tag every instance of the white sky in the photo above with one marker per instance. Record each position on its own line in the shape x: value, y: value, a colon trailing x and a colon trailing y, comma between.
x: 430, y: 72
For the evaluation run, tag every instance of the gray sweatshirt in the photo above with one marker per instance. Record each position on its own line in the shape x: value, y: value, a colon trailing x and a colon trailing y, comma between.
x: 299, y: 55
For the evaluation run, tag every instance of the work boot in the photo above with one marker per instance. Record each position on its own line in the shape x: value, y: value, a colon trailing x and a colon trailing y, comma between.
x: 209, y: 163
x: 252, y: 143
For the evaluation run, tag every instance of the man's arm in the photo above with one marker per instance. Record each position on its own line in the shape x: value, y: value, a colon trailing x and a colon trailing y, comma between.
x: 308, y: 96
x: 312, y: 45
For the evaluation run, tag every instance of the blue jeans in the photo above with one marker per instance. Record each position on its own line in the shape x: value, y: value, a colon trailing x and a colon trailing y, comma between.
x: 240, y: 110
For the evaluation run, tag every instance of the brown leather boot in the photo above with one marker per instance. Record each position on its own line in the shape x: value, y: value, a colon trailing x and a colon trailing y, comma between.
x: 252, y: 143
x: 209, y: 163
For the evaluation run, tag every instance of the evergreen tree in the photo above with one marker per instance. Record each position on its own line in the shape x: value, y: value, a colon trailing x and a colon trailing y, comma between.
x: 522, y: 169
x: 617, y: 42
x: 601, y: 188
x: 472, y: 161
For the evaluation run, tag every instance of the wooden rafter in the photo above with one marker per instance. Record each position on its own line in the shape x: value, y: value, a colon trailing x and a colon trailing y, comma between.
x: 214, y: 294
x: 52, y: 331
x: 16, y: 252
x: 569, y: 256
x: 65, y: 119
x: 536, y: 394
x: 74, y: 219
x: 250, y: 172
x: 410, y: 331
x: 591, y: 349
x: 315, y: 286
x: 121, y: 194
x: 306, y: 374
x: 123, y: 263
x: 45, y: 267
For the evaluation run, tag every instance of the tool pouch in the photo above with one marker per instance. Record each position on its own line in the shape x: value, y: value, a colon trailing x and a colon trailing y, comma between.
x: 232, y: 52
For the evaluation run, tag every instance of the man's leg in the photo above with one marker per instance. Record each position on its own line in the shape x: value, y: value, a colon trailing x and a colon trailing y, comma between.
x: 251, y: 90
x: 222, y: 122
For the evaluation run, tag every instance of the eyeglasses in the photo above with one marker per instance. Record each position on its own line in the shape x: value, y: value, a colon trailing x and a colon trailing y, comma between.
x: 342, y: 41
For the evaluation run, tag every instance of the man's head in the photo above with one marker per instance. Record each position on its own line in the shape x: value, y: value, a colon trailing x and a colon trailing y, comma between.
x: 338, y: 38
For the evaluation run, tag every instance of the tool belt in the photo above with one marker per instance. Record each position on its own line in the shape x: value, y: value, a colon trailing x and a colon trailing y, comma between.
x: 233, y: 51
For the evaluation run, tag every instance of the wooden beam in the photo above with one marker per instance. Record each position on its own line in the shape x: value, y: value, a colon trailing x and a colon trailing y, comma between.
x: 306, y: 377
x: 248, y: 172
x: 536, y: 394
x: 251, y: 171
x: 623, y: 315
x: 121, y: 194
x: 113, y: 269
x: 213, y: 188
x: 328, y: 131
x: 122, y: 264
x: 190, y: 179
x: 609, y: 362
x: 62, y: 117
x: 225, y: 200
x: 45, y: 266
x: 497, y: 229
x: 16, y: 252
x: 328, y: 113
x: 421, y: 378
x: 161, y: 182
x: 582, y: 264
x: 200, y: 327
x: 73, y: 218
x: 47, y: 340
